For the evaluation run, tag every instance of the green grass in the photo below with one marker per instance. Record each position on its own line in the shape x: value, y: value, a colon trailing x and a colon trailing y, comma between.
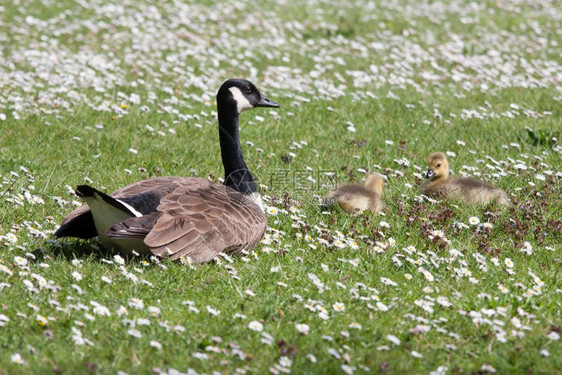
x: 57, y: 139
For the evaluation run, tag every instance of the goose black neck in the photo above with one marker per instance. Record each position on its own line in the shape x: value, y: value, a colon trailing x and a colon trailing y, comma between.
x: 236, y: 173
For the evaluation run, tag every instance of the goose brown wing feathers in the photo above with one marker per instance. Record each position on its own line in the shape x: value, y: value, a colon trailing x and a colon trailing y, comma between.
x: 198, y: 220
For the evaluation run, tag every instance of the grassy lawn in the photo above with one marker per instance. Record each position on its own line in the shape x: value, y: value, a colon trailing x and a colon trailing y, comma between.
x: 110, y: 93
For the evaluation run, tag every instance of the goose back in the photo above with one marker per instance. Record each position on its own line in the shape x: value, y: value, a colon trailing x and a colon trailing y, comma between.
x: 476, y: 192
x: 80, y: 222
x: 465, y: 189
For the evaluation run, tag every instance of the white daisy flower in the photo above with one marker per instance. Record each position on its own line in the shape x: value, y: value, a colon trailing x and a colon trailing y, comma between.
x: 474, y: 220
x: 338, y: 306
x: 303, y: 328
x: 255, y: 326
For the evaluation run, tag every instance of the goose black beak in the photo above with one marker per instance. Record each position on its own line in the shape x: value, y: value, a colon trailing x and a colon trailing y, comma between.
x: 265, y: 102
x: 430, y: 173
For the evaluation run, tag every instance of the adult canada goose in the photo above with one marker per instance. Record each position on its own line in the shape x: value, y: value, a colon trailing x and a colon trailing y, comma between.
x: 466, y: 189
x: 356, y: 198
x: 183, y: 216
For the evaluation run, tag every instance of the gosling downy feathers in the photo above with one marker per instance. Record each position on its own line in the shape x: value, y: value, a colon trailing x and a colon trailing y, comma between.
x: 466, y: 189
x: 183, y: 216
x: 356, y: 198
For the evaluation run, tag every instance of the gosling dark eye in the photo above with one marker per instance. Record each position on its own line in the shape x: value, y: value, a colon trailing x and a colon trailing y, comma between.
x: 438, y: 165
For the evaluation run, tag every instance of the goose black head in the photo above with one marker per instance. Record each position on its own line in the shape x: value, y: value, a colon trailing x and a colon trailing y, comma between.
x: 437, y: 166
x: 242, y: 95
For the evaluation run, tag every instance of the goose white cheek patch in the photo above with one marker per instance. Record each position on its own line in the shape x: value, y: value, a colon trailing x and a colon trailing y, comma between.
x: 241, y: 102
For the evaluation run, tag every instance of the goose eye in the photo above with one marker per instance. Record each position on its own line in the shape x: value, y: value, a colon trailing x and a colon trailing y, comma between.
x: 248, y: 89
x: 438, y: 165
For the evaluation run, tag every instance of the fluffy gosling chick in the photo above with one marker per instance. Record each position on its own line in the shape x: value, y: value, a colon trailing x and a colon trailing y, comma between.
x: 356, y: 198
x: 466, y: 189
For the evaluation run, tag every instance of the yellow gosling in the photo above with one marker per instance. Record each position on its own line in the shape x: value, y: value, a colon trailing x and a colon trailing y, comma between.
x: 466, y: 189
x: 356, y: 198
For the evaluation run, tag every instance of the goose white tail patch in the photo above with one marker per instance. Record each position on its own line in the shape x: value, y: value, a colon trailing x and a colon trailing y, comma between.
x: 130, y: 208
x: 242, y: 103
x: 106, y: 215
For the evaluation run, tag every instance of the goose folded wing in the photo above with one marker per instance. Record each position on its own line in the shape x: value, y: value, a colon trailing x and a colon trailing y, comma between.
x: 201, y: 223
x: 134, y: 227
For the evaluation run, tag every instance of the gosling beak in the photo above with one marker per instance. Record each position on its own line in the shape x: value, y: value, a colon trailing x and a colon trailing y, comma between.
x: 265, y: 102
x: 430, y: 173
